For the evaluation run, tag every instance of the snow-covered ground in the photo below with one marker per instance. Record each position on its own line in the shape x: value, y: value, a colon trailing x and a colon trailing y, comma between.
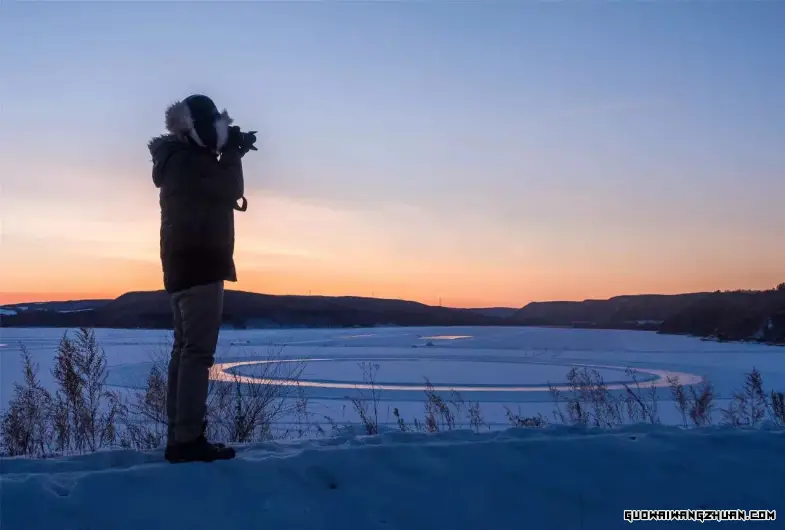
x: 556, y: 478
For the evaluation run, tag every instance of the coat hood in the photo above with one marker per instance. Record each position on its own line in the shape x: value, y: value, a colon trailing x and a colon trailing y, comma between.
x: 180, y: 121
x: 178, y: 118
x: 161, y: 148
x: 180, y: 125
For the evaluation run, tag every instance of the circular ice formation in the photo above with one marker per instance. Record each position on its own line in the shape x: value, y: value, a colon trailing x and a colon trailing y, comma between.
x: 220, y: 372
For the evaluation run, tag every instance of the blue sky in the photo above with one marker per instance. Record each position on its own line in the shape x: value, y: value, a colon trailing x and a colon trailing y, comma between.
x: 480, y: 152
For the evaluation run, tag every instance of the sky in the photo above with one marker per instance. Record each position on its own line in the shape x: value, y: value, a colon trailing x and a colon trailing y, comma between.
x: 473, y: 154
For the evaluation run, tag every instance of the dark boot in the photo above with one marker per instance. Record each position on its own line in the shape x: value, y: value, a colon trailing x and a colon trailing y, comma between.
x: 168, y: 452
x: 199, y: 450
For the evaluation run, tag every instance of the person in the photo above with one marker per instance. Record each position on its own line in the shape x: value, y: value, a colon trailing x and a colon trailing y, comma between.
x: 198, y: 169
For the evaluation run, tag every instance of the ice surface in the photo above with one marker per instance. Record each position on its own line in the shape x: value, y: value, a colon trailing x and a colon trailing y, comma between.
x: 482, y: 356
x: 556, y: 478
x: 456, y: 371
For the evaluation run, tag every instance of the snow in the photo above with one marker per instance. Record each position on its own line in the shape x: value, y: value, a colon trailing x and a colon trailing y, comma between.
x: 7, y: 312
x: 555, y: 478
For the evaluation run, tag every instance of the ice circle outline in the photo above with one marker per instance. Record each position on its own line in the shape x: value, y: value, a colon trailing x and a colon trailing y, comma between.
x: 219, y: 372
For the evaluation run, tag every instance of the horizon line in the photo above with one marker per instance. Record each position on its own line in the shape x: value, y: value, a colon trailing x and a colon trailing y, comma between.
x: 19, y: 298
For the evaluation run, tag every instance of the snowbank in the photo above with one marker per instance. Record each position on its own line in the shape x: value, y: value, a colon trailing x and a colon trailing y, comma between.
x: 556, y: 478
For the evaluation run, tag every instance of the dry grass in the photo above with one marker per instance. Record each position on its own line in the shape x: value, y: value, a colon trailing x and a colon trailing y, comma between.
x: 753, y: 404
x: 589, y: 402
x: 366, y: 402
x: 83, y: 415
x: 516, y: 420
x: 441, y: 413
x: 240, y: 412
x: 237, y: 412
x: 26, y: 425
x: 145, y: 413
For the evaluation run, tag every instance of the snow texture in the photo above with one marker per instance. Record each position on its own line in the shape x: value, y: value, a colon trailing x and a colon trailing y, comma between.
x: 557, y: 478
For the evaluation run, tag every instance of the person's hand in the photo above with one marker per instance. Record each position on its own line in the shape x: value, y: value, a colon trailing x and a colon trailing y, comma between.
x: 234, y: 140
x: 240, y: 142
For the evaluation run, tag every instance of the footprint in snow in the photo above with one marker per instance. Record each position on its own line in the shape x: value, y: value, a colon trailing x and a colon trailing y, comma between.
x: 323, y: 477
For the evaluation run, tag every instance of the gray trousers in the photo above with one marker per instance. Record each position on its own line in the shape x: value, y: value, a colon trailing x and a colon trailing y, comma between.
x: 197, y: 320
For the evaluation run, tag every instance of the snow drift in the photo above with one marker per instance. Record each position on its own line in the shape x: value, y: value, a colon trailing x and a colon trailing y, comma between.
x: 554, y: 478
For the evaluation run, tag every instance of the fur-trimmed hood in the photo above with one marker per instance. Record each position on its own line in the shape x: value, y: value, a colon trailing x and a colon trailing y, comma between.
x: 179, y: 120
x: 180, y: 126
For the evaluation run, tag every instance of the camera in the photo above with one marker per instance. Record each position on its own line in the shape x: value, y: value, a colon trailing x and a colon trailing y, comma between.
x: 242, y: 141
x: 248, y: 140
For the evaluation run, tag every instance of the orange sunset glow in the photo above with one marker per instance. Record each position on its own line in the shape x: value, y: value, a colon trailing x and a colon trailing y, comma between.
x: 290, y: 246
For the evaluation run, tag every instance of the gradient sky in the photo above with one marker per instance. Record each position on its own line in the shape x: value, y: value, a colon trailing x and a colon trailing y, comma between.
x: 482, y: 153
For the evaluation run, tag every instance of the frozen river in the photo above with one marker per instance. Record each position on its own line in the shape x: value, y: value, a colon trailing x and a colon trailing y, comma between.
x: 496, y: 366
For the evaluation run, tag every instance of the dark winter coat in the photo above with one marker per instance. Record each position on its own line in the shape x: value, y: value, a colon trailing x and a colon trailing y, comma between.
x: 198, y: 196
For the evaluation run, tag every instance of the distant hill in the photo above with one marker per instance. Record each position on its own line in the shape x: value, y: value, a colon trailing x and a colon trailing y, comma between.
x: 735, y: 315
x: 498, y: 312
x: 151, y: 309
x: 739, y: 315
x: 59, y: 306
x: 636, y: 311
